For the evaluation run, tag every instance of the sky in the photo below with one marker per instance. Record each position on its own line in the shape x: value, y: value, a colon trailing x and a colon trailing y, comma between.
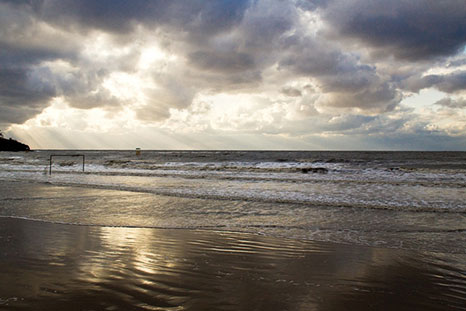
x: 234, y: 74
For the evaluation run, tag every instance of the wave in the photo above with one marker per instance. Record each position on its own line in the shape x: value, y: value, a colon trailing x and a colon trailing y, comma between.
x: 291, y: 173
x: 335, y: 185
x: 322, y: 194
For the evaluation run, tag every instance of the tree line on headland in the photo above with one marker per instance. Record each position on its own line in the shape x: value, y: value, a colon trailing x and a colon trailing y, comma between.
x: 11, y: 144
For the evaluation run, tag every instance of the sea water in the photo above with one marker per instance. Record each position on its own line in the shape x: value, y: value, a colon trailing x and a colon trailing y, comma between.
x: 414, y: 200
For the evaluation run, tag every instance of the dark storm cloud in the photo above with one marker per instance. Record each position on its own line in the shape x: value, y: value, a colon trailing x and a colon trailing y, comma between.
x: 309, y: 57
x: 120, y: 16
x: 410, y: 30
x: 21, y: 95
x: 24, y: 43
x: 24, y: 90
x: 348, y: 81
x: 449, y: 83
x: 235, y: 60
x: 266, y: 22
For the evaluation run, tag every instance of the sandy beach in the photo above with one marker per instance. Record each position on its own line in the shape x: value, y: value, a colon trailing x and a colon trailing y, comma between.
x: 46, y: 266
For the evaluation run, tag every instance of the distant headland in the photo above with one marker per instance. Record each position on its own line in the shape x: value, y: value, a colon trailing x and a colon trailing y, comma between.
x: 12, y: 145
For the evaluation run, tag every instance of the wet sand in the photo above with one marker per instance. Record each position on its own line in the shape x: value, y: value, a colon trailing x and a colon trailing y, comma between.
x: 46, y: 266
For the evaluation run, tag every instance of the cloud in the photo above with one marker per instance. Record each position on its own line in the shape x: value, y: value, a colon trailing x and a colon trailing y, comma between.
x: 170, y: 95
x: 339, y: 67
x: 461, y: 61
x: 122, y: 17
x: 221, y: 61
x: 190, y: 32
x: 291, y: 91
x: 346, y: 81
x: 452, y: 103
x: 22, y: 95
x: 409, y: 30
x: 312, y: 4
x: 24, y: 91
x: 448, y: 83
x: 451, y: 83
x: 378, y: 99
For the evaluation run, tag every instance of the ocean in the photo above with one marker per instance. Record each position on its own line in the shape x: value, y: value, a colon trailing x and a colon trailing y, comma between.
x: 404, y: 200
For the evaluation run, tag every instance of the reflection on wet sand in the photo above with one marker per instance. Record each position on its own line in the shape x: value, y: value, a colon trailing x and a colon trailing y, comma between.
x: 55, y: 267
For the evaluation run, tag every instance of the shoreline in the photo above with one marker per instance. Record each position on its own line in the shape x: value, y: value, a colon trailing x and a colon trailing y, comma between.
x: 84, y: 205
x: 55, y: 266
x: 217, y: 230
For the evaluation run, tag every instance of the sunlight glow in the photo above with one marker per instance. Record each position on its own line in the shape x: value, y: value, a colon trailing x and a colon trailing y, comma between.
x: 126, y: 86
x: 153, y: 55
x: 99, y: 47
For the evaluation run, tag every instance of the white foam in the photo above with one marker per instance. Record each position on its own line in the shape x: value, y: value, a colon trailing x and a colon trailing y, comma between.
x: 323, y: 193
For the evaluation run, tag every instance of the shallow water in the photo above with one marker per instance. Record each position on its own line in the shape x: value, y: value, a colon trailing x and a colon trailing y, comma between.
x: 47, y: 266
x: 413, y: 200
x: 87, y: 206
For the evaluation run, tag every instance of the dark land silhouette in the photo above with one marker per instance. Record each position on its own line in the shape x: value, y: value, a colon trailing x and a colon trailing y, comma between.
x: 12, y: 145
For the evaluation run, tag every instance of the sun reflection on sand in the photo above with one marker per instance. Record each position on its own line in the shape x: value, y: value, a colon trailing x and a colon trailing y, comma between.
x: 124, y: 268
